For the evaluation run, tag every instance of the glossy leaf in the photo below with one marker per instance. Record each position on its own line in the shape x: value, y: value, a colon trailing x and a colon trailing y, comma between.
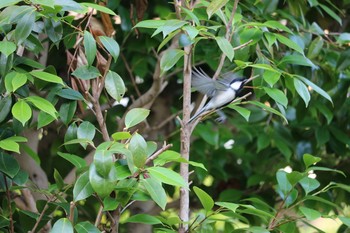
x: 310, y: 214
x: 8, y: 165
x: 86, y: 72
x: 110, y: 204
x: 316, y: 88
x: 21, y: 111
x: 44, y: 119
x: 297, y: 59
x: 98, y: 8
x: 138, y: 148
x: 225, y: 47
x: 5, y: 106
x: 242, y: 111
x: 53, y: 29
x: 135, y: 116
x: 150, y: 23
x: 267, y: 108
x: 156, y: 191
x: 102, y: 186
x: 77, y: 161
x: 70, y: 94
x: 205, y: 199
x: 82, y: 188
x: 24, y: 26
x: 86, y: 130
x: 283, y: 181
x: 111, y: 46
x: 214, y: 6
x: 345, y: 220
x: 169, y: 59
x: 167, y: 176
x: 62, y: 225
x: 46, y: 76
x: 309, y: 184
x: 302, y: 90
x: 7, y: 47
x: 67, y: 111
x: 228, y: 205
x: 277, y: 95
x: 114, y: 85
x: 58, y: 179
x: 121, y: 136
x: 289, y: 43
x: 271, y: 77
x: 310, y: 160
x: 315, y: 47
x: 5, y: 3
x: 144, y: 218
x: 104, y: 161
x: 90, y: 47
x: 43, y: 105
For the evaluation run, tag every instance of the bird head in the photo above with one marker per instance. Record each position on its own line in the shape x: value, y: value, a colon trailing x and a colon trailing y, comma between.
x: 238, y: 83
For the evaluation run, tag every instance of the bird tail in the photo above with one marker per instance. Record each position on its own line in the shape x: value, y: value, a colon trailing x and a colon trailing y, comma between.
x: 196, y: 115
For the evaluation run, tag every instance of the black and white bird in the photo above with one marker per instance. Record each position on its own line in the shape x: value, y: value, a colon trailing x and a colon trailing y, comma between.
x: 221, y: 92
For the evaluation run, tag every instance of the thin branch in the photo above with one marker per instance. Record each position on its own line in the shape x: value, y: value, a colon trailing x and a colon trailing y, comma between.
x: 156, y: 154
x: 130, y: 75
x: 71, y: 211
x: 51, y: 199
x: 99, y: 216
x: 8, y: 195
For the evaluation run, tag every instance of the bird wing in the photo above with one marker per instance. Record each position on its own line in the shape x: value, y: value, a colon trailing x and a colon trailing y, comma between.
x: 227, y: 78
x: 204, y: 84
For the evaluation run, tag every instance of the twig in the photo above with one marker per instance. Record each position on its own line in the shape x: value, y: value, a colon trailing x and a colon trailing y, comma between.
x: 156, y: 154
x: 71, y: 212
x: 99, y: 216
x: 51, y: 199
x: 131, y: 75
x: 127, y: 206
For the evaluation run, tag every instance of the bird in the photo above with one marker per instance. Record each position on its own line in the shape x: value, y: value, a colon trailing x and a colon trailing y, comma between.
x: 221, y: 92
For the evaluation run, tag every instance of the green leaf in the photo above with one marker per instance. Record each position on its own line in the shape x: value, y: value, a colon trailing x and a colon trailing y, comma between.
x: 86, y: 227
x: 5, y: 106
x: 102, y: 186
x: 277, y: 95
x: 277, y: 25
x: 169, y: 59
x: 271, y: 77
x: 225, y: 47
x: 345, y: 220
x: 294, y: 177
x: 343, y: 38
x: 5, y: 3
x: 79, y: 140
x: 110, y: 204
x: 297, y: 59
x: 205, y: 199
x: 54, y: 29
x: 77, y: 161
x: 135, y: 116
x: 310, y: 214
x: 156, y: 191
x: 242, y: 111
x: 67, y: 111
x: 168, y: 156
x: 90, y: 47
x: 138, y: 148
x: 8, y: 165
x: 309, y: 184
x: 144, y: 218
x: 104, y: 161
x: 331, y: 13
x: 289, y: 43
x: 283, y: 181
x: 98, y: 7
x: 62, y: 225
x: 15, y: 80
x: 9, y: 145
x: 228, y: 205
x: 7, y: 47
x: 315, y: 48
x: 70, y: 94
x: 121, y: 136
x: 267, y: 108
x: 82, y: 188
x: 86, y: 72
x: 326, y: 169
x: 322, y: 135
x: 150, y: 23
x: 167, y: 176
x: 86, y: 130
x: 302, y: 90
x: 316, y: 88
x: 46, y: 76
x: 24, y: 26
x: 114, y: 85
x: 21, y: 111
x: 310, y: 160
x: 195, y: 164
x: 214, y: 6
x: 43, y: 105
x: 44, y: 119
x: 58, y: 179
x: 169, y: 26
x: 111, y: 46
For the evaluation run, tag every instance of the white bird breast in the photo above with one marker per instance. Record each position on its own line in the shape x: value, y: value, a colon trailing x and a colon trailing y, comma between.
x: 221, y: 98
x: 236, y: 85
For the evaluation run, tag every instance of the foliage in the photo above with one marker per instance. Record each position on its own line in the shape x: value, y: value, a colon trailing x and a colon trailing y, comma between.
x: 256, y: 172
